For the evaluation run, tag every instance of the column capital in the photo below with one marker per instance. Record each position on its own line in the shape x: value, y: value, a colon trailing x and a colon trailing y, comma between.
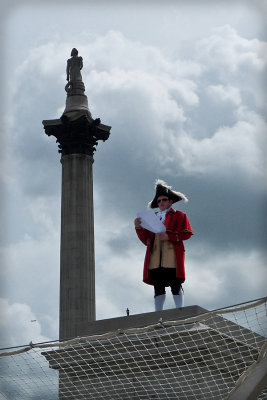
x: 78, y: 136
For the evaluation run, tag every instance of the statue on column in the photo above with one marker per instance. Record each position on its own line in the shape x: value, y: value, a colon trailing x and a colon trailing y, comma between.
x: 74, y: 66
x: 76, y: 131
x: 75, y: 84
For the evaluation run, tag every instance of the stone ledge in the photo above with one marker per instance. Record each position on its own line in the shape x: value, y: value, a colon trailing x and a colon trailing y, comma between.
x: 138, y: 320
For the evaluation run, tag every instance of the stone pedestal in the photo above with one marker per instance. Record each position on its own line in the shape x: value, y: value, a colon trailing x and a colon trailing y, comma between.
x: 77, y: 263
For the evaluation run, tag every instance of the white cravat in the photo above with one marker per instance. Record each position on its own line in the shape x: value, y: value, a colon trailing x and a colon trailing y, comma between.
x: 162, y: 215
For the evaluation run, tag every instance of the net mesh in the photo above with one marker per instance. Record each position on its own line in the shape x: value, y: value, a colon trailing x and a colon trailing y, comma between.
x: 203, y: 357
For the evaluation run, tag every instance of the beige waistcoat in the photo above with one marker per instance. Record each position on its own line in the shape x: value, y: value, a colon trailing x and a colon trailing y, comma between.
x: 162, y: 249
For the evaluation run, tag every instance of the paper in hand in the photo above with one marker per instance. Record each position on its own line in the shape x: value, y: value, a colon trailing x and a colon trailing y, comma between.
x: 150, y: 221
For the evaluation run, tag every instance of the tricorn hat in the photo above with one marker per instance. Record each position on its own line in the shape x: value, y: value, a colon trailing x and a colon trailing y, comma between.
x: 162, y: 189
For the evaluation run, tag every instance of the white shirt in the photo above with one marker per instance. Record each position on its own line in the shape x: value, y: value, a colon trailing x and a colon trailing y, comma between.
x: 162, y: 214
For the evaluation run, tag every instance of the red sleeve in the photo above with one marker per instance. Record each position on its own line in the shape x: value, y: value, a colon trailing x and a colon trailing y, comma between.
x: 142, y: 234
x: 183, y: 232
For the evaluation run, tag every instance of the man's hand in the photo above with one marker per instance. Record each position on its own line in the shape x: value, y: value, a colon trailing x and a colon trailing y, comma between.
x: 163, y: 236
x: 137, y: 222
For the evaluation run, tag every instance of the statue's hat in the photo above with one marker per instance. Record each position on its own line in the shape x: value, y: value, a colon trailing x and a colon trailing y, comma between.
x: 162, y: 189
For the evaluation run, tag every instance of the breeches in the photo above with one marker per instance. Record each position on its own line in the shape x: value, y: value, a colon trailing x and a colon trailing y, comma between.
x: 162, y: 277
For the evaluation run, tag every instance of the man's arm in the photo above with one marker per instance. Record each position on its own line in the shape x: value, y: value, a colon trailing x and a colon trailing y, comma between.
x: 141, y: 232
x: 181, y: 233
x: 179, y: 236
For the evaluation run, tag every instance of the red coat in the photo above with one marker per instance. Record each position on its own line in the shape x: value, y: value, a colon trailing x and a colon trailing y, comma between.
x: 178, y: 229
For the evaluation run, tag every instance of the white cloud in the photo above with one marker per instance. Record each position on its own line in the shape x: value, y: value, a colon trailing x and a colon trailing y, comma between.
x: 45, y: 214
x: 231, y: 148
x: 225, y: 93
x: 19, y: 325
x: 166, y: 97
x: 31, y: 265
x: 216, y: 279
x: 233, y: 60
x: 24, y: 263
x: 225, y: 48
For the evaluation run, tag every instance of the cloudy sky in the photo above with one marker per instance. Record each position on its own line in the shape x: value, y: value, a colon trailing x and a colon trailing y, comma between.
x: 182, y: 85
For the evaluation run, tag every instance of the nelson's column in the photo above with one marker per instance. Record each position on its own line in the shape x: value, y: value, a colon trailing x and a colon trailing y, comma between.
x: 77, y: 134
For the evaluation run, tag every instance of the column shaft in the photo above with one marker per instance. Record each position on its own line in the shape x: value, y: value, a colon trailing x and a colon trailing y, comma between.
x: 77, y: 261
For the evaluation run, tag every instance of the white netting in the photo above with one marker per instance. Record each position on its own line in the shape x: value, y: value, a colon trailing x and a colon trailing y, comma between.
x: 263, y: 394
x: 203, y: 357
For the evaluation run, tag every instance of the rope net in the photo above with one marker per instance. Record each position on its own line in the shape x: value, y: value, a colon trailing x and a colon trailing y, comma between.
x: 203, y: 357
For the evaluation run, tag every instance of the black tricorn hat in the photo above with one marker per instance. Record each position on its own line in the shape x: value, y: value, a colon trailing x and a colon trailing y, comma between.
x: 162, y: 189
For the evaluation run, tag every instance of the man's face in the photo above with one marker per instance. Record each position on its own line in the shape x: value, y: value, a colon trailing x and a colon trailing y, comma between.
x: 164, y: 203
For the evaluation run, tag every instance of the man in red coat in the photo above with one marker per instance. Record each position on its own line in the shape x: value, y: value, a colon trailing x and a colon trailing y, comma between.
x: 164, y: 260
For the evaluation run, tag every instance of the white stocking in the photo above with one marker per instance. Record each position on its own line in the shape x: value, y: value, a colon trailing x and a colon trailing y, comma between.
x: 179, y: 299
x: 159, y: 301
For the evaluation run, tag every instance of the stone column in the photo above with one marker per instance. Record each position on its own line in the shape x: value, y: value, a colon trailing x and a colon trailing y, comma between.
x: 77, y: 135
x: 77, y: 262
x: 77, y: 140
